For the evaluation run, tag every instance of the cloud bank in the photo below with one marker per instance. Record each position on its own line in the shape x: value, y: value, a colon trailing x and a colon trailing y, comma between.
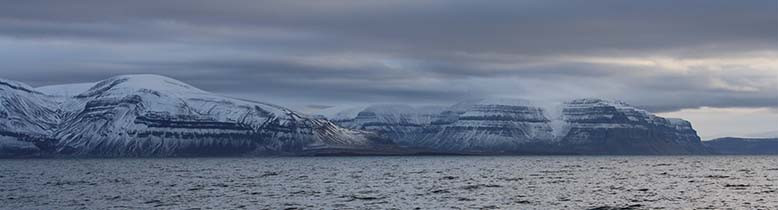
x: 661, y: 55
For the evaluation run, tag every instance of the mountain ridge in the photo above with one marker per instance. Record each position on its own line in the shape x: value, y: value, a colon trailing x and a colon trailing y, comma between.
x: 579, y: 126
x: 151, y: 115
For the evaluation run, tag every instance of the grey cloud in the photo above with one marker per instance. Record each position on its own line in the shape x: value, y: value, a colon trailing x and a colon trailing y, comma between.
x: 527, y: 27
x: 406, y: 51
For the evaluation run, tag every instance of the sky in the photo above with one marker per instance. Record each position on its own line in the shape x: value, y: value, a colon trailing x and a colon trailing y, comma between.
x: 713, y: 62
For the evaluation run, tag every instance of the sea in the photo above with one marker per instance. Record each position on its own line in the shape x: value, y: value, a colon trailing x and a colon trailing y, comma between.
x: 393, y: 182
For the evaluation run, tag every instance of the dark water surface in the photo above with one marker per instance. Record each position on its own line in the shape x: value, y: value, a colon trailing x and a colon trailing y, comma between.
x: 671, y: 182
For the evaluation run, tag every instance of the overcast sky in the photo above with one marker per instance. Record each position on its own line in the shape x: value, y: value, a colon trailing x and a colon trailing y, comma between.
x: 671, y: 57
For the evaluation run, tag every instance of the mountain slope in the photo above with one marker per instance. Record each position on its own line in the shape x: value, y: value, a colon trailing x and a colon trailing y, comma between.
x: 401, y: 123
x: 27, y: 118
x: 151, y: 115
x: 489, y: 125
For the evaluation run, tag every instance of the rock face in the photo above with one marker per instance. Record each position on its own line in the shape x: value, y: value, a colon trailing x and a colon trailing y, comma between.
x: 150, y: 115
x: 744, y: 146
x: 602, y: 127
x: 583, y: 126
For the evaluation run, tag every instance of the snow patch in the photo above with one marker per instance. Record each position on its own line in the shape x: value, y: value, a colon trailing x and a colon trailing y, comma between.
x: 136, y: 82
x: 554, y: 113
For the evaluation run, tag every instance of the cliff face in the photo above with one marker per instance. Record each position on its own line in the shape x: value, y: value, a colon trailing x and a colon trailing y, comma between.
x: 583, y: 126
x: 602, y: 127
x: 488, y: 125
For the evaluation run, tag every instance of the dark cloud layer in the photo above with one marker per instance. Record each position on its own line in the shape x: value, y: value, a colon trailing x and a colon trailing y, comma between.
x: 663, y: 55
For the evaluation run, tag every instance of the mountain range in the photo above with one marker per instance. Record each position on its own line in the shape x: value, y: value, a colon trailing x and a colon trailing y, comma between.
x: 157, y: 116
x: 744, y: 146
x: 514, y: 126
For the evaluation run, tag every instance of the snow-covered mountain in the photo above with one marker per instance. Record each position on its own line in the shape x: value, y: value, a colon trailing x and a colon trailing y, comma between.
x: 27, y: 119
x: 583, y: 126
x: 402, y: 123
x: 488, y: 125
x: 151, y: 115
x: 595, y: 126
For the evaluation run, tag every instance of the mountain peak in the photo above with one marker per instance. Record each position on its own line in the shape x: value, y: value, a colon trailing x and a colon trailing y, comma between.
x: 136, y: 82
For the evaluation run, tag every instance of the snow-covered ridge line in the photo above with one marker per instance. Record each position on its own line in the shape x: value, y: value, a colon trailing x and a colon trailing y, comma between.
x: 18, y: 86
